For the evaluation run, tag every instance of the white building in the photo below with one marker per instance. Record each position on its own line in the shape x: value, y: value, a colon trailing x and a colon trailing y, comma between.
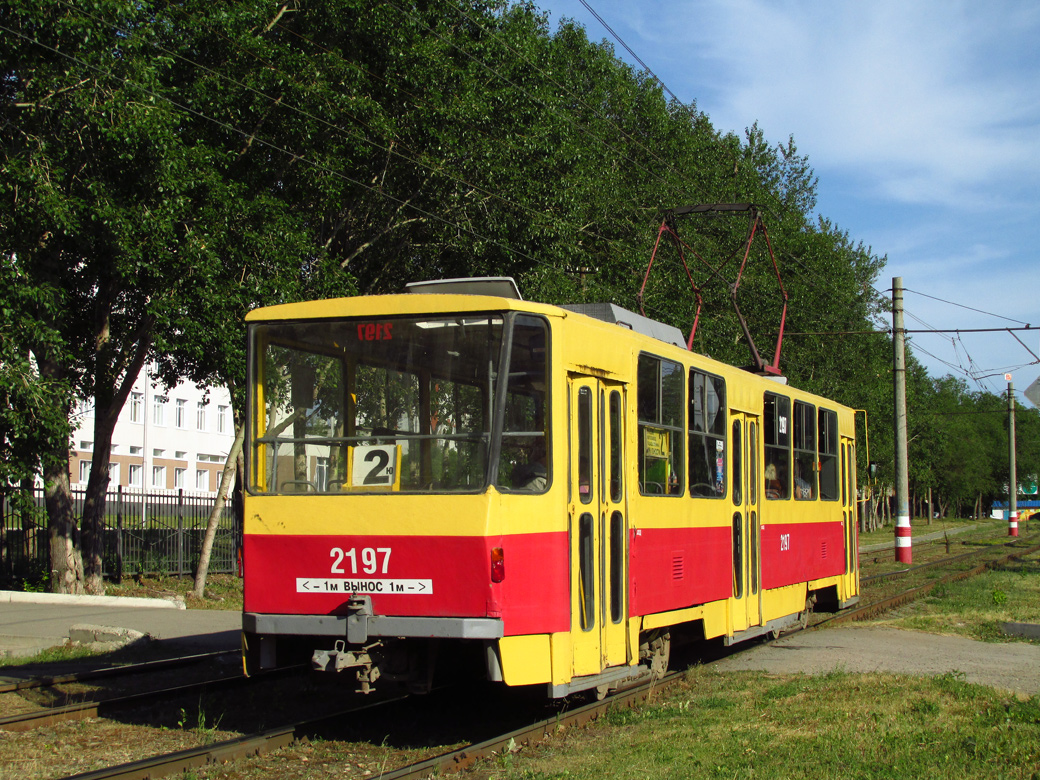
x: 163, y: 441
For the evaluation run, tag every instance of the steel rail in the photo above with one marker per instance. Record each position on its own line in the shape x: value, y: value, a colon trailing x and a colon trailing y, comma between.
x: 111, y: 671
x: 931, y: 564
x: 219, y: 752
x: 93, y: 709
x: 871, y: 610
x: 464, y: 757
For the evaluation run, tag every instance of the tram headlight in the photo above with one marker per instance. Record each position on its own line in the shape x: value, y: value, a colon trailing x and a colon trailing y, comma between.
x: 498, y: 564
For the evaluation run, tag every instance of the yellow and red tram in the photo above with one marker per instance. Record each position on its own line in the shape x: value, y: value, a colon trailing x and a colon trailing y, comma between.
x: 544, y: 493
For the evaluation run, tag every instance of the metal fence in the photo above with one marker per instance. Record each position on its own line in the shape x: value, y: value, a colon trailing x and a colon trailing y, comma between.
x: 146, y: 533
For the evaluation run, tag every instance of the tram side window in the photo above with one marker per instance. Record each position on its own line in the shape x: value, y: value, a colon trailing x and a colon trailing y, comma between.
x: 776, y: 433
x: 829, y: 472
x: 804, y: 451
x: 707, y: 435
x: 525, y: 463
x: 660, y: 400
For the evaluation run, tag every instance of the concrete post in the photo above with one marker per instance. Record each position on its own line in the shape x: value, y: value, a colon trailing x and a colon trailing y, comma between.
x: 904, y: 552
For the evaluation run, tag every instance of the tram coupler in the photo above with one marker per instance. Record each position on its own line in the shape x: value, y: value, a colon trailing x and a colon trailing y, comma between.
x: 340, y: 659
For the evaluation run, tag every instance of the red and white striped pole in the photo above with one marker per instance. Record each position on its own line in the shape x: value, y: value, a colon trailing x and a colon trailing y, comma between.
x: 904, y: 551
x: 1012, y: 470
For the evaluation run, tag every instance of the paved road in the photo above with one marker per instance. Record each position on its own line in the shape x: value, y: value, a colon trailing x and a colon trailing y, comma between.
x: 30, y: 623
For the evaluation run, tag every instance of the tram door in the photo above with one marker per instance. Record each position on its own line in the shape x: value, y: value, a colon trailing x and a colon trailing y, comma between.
x: 746, y: 604
x: 598, y: 525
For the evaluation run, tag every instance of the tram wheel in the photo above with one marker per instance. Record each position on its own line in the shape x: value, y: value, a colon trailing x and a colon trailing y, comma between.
x: 656, y: 653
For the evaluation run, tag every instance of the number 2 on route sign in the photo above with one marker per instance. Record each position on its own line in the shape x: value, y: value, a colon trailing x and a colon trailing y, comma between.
x: 375, y: 466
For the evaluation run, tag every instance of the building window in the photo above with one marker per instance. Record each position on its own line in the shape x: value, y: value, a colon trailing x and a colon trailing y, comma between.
x: 159, y: 410
x: 84, y: 471
x: 136, y: 450
x: 158, y: 453
x: 200, y: 415
x: 180, y: 413
x: 180, y: 455
x: 136, y: 407
x: 158, y: 476
x: 178, y: 477
x: 222, y: 419
x: 113, y: 473
x: 86, y: 446
x: 134, y: 474
x: 202, y: 479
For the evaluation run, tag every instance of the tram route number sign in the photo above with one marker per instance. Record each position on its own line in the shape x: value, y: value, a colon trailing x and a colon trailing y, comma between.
x: 375, y: 465
x: 364, y: 586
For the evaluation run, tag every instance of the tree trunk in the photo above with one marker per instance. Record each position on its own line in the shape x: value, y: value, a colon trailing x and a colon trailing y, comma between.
x: 92, y: 537
x: 66, y: 563
x: 230, y: 467
x: 111, y: 389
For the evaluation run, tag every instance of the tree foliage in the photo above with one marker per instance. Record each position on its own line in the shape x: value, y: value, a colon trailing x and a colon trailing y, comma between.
x: 170, y: 164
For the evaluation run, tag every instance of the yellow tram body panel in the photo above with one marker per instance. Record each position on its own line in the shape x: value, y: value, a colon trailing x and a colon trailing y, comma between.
x: 647, y: 519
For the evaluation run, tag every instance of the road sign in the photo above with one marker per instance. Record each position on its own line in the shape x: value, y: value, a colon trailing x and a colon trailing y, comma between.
x: 1033, y: 392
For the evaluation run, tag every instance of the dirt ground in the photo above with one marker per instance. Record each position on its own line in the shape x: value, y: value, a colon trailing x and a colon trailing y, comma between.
x: 1013, y: 666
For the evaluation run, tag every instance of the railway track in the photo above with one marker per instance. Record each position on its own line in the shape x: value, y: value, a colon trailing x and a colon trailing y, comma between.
x: 110, y: 672
x: 465, y: 756
x: 881, y: 605
x: 103, y: 707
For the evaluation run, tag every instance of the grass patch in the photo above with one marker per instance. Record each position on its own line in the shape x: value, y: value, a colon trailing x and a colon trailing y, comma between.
x: 51, y: 655
x: 223, y: 591
x: 838, y: 725
x: 977, y: 607
x: 919, y: 526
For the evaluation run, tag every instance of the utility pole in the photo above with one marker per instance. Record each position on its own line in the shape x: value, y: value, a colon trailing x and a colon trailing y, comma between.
x: 1012, y: 473
x: 904, y: 552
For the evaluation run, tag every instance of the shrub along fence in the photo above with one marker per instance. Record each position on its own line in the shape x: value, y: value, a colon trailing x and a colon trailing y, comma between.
x: 144, y: 533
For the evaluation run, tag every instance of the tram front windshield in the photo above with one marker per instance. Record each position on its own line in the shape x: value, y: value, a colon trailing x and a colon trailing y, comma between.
x: 398, y: 404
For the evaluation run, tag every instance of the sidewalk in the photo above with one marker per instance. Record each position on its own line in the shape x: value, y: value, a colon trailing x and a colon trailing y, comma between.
x: 33, y: 622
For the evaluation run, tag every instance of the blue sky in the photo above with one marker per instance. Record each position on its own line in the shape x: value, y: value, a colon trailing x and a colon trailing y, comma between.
x: 921, y: 120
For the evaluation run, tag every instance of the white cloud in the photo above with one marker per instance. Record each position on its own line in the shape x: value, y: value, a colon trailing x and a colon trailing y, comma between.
x: 915, y: 96
x: 922, y: 120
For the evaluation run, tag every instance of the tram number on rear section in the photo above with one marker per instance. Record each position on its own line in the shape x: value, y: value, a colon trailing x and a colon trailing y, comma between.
x: 369, y: 560
x: 785, y: 542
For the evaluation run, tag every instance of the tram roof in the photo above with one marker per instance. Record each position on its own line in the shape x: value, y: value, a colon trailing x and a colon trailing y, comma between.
x: 411, y: 304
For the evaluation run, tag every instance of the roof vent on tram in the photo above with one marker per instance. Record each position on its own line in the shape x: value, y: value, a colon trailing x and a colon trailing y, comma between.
x: 499, y: 286
x: 612, y: 313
